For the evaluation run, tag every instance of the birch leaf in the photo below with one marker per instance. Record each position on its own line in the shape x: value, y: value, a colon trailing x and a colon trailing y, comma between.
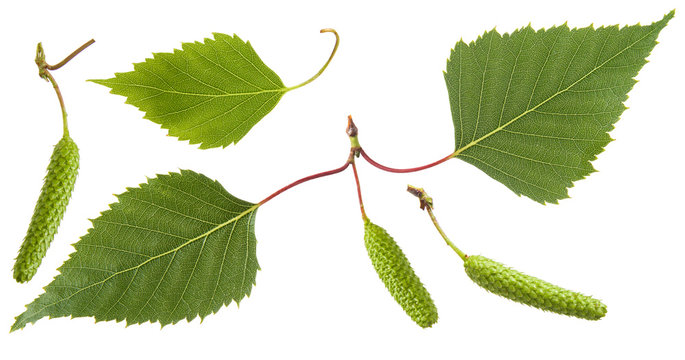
x: 174, y: 248
x: 532, y: 109
x: 210, y: 93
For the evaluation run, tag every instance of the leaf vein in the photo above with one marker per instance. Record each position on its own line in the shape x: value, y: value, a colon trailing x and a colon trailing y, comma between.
x: 250, y: 62
x: 171, y: 210
x: 224, y: 69
x: 137, y: 227
x: 511, y: 77
x: 207, y: 121
x: 529, y: 159
x: 246, y: 119
x: 190, y: 277
x: 187, y: 73
x: 249, y: 210
x: 482, y: 86
x: 161, y: 279
x: 558, y: 195
x: 550, y: 136
x: 221, y: 269
x: 461, y: 150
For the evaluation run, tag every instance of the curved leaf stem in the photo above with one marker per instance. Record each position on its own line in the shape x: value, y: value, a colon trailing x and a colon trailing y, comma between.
x: 394, y: 170
x: 305, y: 179
x: 335, y: 49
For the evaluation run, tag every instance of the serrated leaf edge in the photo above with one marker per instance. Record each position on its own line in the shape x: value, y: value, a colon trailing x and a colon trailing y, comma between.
x: 459, y: 151
x: 155, y: 56
x: 207, y: 233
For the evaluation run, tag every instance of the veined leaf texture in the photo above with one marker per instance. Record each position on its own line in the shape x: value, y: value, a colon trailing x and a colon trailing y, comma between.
x: 177, y: 247
x: 210, y: 93
x: 532, y: 109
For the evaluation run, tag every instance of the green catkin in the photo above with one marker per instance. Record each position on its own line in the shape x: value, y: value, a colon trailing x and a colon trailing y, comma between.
x: 49, y: 210
x: 517, y: 286
x: 398, y: 276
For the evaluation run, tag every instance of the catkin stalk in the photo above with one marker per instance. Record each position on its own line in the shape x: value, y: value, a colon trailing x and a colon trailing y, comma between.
x: 399, y: 278
x: 50, y: 208
x: 517, y: 286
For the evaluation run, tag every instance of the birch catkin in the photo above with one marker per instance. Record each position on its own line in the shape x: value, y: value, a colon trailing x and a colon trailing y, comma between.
x: 517, y: 286
x: 49, y: 210
x: 398, y: 276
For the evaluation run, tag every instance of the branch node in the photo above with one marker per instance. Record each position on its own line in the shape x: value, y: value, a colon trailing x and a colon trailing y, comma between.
x: 425, y: 201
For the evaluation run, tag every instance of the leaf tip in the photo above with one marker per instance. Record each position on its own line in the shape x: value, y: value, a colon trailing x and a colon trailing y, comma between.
x: 102, y: 82
x: 15, y: 326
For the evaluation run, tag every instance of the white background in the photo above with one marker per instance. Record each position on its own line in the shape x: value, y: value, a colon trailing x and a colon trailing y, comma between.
x: 619, y: 237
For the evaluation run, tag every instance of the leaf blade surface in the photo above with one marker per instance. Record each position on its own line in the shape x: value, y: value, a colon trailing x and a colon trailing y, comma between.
x: 532, y: 109
x: 177, y: 247
x: 211, y: 93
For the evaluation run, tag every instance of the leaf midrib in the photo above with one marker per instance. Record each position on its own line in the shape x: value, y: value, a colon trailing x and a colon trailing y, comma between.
x: 501, y: 127
x: 174, y: 250
x: 225, y: 94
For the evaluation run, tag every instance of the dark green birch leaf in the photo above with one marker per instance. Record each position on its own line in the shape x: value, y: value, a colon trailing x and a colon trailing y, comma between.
x: 532, y: 109
x: 177, y: 247
x: 210, y: 93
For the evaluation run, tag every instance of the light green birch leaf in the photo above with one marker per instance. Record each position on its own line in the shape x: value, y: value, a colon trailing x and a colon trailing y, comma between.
x: 210, y: 93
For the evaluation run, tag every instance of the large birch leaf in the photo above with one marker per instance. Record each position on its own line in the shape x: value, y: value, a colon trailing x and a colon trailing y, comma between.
x: 177, y: 247
x: 532, y: 109
x: 210, y: 93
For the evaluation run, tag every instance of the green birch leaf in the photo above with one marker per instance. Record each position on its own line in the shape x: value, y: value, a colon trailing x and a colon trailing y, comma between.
x: 174, y: 248
x: 532, y: 109
x: 210, y: 93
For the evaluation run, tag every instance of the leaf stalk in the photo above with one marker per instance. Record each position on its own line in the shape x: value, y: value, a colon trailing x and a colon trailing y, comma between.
x: 330, y: 58
x: 305, y: 179
x: 408, y: 170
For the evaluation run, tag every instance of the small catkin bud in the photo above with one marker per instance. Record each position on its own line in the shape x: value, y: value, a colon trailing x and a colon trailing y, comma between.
x: 517, y: 286
x: 398, y: 276
x: 49, y: 210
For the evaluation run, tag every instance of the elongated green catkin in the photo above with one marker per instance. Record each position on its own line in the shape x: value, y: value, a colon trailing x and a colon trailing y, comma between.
x: 398, y: 276
x: 49, y: 210
x: 517, y: 286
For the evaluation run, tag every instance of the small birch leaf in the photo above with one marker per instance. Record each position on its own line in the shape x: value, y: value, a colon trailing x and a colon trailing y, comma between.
x: 210, y: 93
x: 532, y: 109
x: 174, y: 248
